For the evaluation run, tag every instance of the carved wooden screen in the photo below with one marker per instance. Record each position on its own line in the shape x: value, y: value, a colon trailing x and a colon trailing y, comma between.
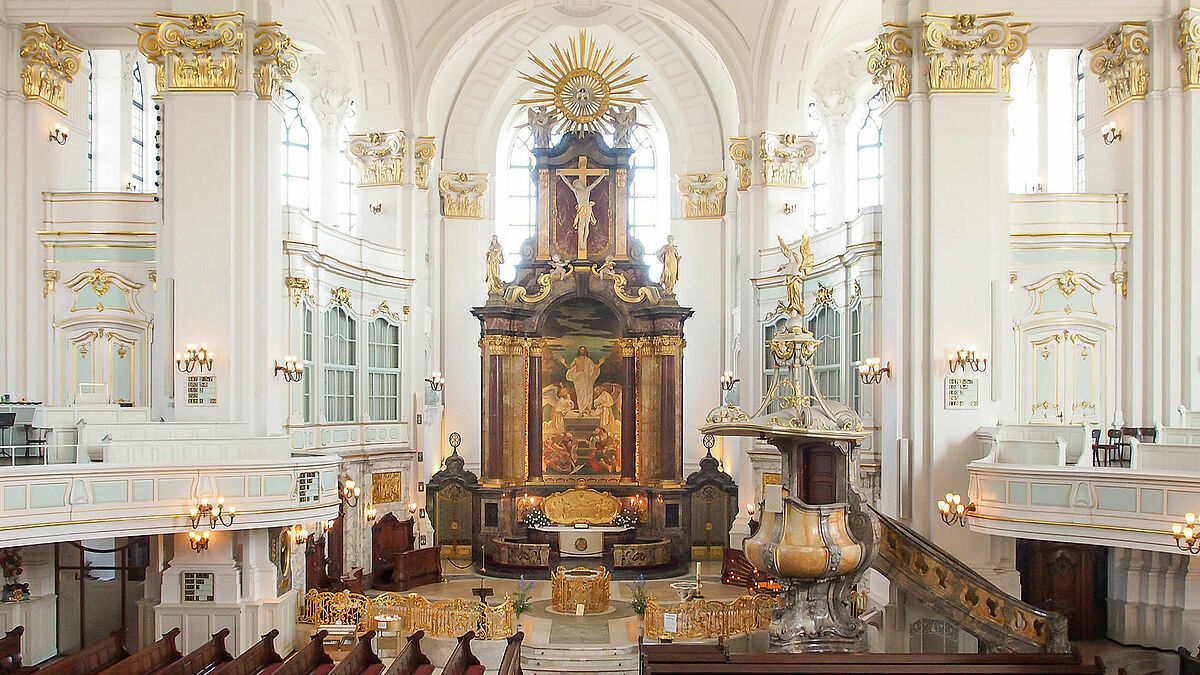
x: 390, y: 536
x: 710, y: 517
x: 454, y: 517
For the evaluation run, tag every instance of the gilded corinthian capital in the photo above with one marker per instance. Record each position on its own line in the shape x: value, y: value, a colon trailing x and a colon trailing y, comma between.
x: 275, y: 60
x: 739, y: 152
x: 1189, y: 42
x: 889, y: 62
x: 462, y: 194
x: 379, y: 156
x: 49, y: 64
x: 971, y: 53
x: 703, y: 195
x: 1121, y: 61
x: 784, y: 157
x: 423, y: 153
x: 194, y: 52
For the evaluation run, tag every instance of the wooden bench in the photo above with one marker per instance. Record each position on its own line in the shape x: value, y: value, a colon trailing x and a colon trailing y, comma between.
x: 94, y: 658
x: 462, y: 661
x: 150, y: 659
x: 361, y: 660
x: 207, y: 659
x: 261, y: 659
x: 1188, y: 664
x: 706, y: 652
x: 410, y: 660
x: 511, y: 663
x: 872, y: 664
x: 10, y: 653
x: 310, y: 659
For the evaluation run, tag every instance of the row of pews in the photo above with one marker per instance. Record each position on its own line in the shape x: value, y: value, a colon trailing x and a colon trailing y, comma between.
x: 702, y: 659
x: 109, y: 657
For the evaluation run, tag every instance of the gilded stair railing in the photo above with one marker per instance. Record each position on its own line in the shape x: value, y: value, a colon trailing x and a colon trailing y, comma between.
x: 438, y: 618
x: 704, y: 619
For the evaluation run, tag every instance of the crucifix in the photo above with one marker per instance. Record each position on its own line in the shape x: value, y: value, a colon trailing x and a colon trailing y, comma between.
x: 584, y: 217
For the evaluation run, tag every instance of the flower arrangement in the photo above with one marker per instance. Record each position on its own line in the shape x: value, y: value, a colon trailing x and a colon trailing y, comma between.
x: 522, y: 603
x: 627, y: 518
x: 535, y: 518
x: 10, y: 565
x: 637, y: 595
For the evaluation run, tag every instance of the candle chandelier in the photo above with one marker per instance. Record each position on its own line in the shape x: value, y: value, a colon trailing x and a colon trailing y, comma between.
x: 193, y: 358
x: 216, y: 514
x: 969, y: 356
x: 953, y: 510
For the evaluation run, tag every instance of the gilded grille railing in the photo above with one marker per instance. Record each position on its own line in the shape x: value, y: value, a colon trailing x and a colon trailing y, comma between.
x: 440, y: 618
x: 702, y: 619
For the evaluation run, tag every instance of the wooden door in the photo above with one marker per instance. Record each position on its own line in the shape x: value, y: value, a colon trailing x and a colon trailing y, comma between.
x: 1070, y: 579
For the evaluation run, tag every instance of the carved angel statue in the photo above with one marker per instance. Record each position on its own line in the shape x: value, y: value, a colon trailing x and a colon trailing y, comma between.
x: 541, y: 123
x: 794, y: 269
x: 624, y: 122
x: 669, y: 256
x: 494, y: 259
x: 558, y: 267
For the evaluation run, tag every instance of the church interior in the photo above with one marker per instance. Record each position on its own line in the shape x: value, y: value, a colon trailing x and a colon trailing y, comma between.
x: 395, y: 337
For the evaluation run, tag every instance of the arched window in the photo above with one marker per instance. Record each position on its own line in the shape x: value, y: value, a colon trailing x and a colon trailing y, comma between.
x: 383, y: 370
x: 518, y: 207
x: 307, y: 320
x: 855, y: 330
x: 826, y: 325
x: 1080, y: 116
x: 137, y: 164
x: 340, y: 365
x: 347, y: 200
x: 1023, y: 110
x: 819, y: 213
x: 870, y: 155
x: 295, y: 153
x: 643, y: 191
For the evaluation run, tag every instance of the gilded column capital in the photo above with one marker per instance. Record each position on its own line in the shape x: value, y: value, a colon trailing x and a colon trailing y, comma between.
x: 50, y: 62
x: 971, y: 53
x: 379, y: 156
x: 739, y: 153
x: 1189, y: 42
x: 703, y: 195
x: 889, y: 62
x: 784, y: 157
x: 1121, y: 61
x: 275, y: 60
x: 194, y: 52
x: 297, y: 289
x: 423, y: 152
x: 462, y: 194
x: 512, y: 345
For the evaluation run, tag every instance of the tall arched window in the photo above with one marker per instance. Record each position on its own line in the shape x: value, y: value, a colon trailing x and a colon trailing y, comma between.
x: 137, y: 160
x: 296, y: 146
x: 347, y: 200
x: 870, y: 155
x: 518, y: 208
x: 1080, y: 116
x: 819, y: 213
x: 307, y: 319
x: 383, y: 370
x: 643, y: 191
x: 856, y: 354
x: 826, y: 325
x: 340, y: 365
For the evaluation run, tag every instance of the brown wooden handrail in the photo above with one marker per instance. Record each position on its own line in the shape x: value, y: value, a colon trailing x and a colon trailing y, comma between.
x: 150, y: 659
x: 205, y: 657
x: 308, y: 658
x: 409, y: 658
x: 258, y: 657
x: 91, y: 659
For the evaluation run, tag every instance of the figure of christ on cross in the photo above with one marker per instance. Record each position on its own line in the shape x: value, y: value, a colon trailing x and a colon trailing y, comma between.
x: 584, y: 218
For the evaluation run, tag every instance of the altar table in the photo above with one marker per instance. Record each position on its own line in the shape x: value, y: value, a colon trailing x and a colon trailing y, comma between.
x: 581, y: 542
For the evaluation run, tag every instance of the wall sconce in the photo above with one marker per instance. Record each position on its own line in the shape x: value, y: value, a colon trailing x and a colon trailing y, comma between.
x: 1186, y: 536
x: 436, y: 381
x: 871, y: 372
x: 371, y: 512
x: 299, y: 534
x: 953, y: 510
x: 962, y: 357
x: 412, y: 509
x: 660, y: 499
x: 217, y: 514
x: 727, y: 382
x: 789, y: 209
x: 292, y: 369
x: 59, y: 134
x: 349, y: 492
x: 375, y: 207
x: 750, y: 509
x: 1111, y: 133
x: 193, y: 357
x: 198, y: 540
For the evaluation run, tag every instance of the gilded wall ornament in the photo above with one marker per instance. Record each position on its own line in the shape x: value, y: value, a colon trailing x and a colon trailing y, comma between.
x: 855, y: 293
x: 971, y: 52
x: 824, y: 296
x: 194, y: 52
x: 423, y: 152
x: 703, y: 195
x: 387, y: 487
x: 50, y: 62
x: 49, y: 278
x: 379, y: 156
x: 1121, y: 282
x: 152, y: 276
x: 1189, y: 42
x: 784, y: 157
x: 608, y: 271
x: 462, y: 194
x: 275, y: 60
x: 384, y: 310
x: 297, y: 289
x: 1121, y: 61
x: 889, y: 62
x: 739, y: 153
x: 794, y: 268
x: 340, y: 296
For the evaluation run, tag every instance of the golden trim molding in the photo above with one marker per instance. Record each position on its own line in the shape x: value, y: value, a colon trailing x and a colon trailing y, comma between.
x: 275, y: 60
x: 50, y: 63
x: 194, y: 52
x: 462, y: 194
x: 739, y: 154
x: 1189, y: 42
x: 423, y: 153
x: 784, y: 157
x: 703, y: 195
x: 1121, y: 61
x: 379, y: 156
x: 971, y: 53
x: 889, y: 63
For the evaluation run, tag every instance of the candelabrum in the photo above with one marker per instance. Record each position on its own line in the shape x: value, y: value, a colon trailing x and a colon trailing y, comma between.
x: 292, y: 369
x: 194, y: 357
x: 299, y: 534
x: 1111, y: 133
x: 436, y: 381
x: 1187, y: 535
x: 370, y: 513
x: 963, y: 357
x: 216, y: 514
x: 349, y: 492
x: 727, y: 383
x: 199, y: 540
x: 871, y: 371
x: 59, y: 134
x: 953, y: 510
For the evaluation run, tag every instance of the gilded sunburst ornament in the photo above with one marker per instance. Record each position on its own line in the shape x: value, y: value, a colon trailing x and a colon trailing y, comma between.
x: 585, y: 85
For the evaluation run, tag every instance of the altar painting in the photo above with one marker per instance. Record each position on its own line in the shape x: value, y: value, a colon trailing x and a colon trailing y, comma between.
x: 581, y: 392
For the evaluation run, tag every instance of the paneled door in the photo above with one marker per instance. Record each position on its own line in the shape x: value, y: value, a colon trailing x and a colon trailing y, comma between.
x: 110, y: 357
x: 1070, y: 579
x: 1064, y: 375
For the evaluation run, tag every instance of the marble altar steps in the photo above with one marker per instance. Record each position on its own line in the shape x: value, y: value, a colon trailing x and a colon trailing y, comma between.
x: 594, y: 660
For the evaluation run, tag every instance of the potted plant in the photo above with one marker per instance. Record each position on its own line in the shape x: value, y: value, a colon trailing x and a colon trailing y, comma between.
x: 10, y: 565
x: 521, y: 602
x: 637, y: 595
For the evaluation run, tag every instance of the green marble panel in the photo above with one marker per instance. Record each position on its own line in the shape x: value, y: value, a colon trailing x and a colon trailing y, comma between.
x: 45, y: 496
x: 14, y: 497
x: 231, y: 487
x: 277, y: 484
x: 143, y: 490
x: 992, y: 491
x: 1018, y: 492
x: 1047, y: 494
x: 253, y: 486
x: 175, y: 488
x: 1152, y: 501
x: 1116, y: 498
x: 110, y: 491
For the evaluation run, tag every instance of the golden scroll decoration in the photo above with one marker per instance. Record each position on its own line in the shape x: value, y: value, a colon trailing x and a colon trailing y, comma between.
x: 1121, y: 61
x: 462, y: 194
x: 971, y: 53
x: 581, y: 505
x: 580, y: 586
x: 705, y: 619
x: 423, y: 153
x: 379, y: 156
x: 275, y: 60
x: 889, y: 63
x: 1189, y: 42
x: 50, y: 62
x: 194, y: 52
x: 387, y: 487
x: 703, y: 195
x: 739, y: 153
x: 439, y: 619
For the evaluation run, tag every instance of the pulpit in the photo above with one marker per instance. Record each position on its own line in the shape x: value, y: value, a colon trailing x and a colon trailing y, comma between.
x: 398, y: 565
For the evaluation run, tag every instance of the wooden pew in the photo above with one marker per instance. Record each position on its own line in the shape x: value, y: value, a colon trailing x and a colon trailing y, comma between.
x: 706, y: 652
x: 876, y: 664
x: 10, y: 653
x: 361, y: 660
x: 462, y: 661
x: 511, y: 663
x: 149, y: 660
x: 261, y: 659
x: 410, y: 660
x: 208, y: 658
x: 310, y: 659
x: 1188, y: 664
x: 93, y: 658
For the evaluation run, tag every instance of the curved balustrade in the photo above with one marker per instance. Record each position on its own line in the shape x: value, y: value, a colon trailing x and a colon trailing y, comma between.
x: 438, y: 618
x: 705, y: 619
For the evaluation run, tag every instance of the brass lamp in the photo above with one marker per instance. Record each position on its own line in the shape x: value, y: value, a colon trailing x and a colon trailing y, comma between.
x: 194, y: 357
x: 967, y: 356
x: 216, y: 514
x: 953, y: 510
x: 1187, y: 535
x: 198, y: 540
